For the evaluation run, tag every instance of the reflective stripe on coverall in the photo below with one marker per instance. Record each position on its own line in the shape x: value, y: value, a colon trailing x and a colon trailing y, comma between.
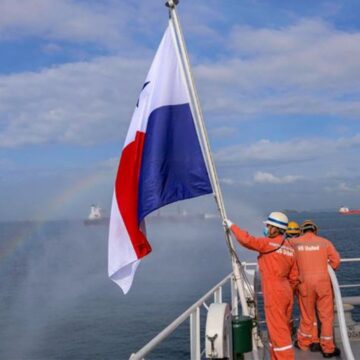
x: 315, y: 291
x: 279, y: 274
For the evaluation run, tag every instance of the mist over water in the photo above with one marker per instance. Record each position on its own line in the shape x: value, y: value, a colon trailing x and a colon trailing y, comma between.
x: 56, y: 301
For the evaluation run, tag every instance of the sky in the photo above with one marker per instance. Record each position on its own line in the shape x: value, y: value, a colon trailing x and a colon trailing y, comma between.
x: 278, y: 81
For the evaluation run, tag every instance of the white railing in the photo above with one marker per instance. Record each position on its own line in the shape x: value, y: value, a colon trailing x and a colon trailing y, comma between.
x: 341, y: 315
x: 340, y: 309
x: 349, y: 285
x: 350, y: 260
x: 193, y: 313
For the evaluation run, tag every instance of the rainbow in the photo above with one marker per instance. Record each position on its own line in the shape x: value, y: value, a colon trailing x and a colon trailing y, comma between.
x: 64, y: 199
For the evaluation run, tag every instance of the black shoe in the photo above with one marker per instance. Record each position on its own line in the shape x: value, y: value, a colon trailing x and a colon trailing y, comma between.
x: 296, y: 344
x: 314, y: 347
x: 336, y: 352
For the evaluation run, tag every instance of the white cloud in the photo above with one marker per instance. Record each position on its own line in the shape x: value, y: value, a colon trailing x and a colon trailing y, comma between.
x: 64, y: 20
x: 110, y: 164
x: 294, y: 150
x: 227, y: 181
x: 264, y: 177
x: 283, y: 40
x: 223, y: 132
x: 344, y: 187
x: 306, y: 68
x: 51, y: 48
x: 80, y: 103
x: 113, y: 24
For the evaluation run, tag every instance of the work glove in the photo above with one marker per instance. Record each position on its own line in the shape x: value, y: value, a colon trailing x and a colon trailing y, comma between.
x: 227, y: 224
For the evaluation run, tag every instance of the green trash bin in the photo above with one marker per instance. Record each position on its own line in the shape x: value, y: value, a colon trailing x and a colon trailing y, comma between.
x: 242, y: 335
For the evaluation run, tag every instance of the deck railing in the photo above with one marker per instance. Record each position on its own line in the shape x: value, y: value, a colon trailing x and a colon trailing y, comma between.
x: 193, y: 314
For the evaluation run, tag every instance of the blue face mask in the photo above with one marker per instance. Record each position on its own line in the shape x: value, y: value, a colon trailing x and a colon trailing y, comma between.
x: 266, y: 231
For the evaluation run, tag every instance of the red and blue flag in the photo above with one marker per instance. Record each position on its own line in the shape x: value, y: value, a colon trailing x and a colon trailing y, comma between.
x: 161, y: 161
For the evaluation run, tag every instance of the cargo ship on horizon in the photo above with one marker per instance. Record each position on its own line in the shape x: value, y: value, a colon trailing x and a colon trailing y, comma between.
x: 96, y: 217
x: 346, y: 211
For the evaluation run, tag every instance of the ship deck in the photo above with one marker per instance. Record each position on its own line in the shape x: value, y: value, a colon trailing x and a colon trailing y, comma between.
x: 308, y: 355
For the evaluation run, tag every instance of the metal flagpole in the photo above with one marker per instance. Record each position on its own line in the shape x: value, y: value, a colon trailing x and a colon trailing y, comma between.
x: 199, y: 120
x: 206, y: 146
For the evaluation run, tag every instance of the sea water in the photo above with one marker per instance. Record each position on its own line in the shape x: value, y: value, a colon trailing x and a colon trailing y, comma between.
x: 56, y: 301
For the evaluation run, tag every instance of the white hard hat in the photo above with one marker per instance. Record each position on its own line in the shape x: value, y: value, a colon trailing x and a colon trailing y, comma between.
x: 278, y: 220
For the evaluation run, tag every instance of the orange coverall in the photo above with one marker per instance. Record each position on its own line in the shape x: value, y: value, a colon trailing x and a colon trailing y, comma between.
x: 313, y: 253
x: 279, y: 274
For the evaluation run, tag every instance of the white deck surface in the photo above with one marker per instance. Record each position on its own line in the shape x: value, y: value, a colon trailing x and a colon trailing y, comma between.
x: 308, y: 355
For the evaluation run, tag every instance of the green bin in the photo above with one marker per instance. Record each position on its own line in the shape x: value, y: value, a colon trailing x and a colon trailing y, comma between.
x: 242, y: 335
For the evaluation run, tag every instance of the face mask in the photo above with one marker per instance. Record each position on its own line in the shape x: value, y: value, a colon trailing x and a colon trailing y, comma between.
x: 266, y: 231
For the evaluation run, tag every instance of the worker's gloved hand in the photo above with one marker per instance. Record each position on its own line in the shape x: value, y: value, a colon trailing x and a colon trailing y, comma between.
x: 227, y: 224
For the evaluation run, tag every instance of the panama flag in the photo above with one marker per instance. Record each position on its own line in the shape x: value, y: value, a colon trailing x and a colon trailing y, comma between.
x: 161, y: 161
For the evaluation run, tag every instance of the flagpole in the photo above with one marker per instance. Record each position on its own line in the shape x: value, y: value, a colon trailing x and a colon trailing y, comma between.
x: 199, y: 119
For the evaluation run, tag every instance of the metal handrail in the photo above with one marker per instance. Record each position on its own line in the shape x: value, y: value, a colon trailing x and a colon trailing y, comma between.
x: 350, y: 260
x: 178, y: 321
x: 349, y: 286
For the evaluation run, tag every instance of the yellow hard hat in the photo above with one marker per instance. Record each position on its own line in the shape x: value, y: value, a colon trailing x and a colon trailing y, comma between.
x: 293, y: 228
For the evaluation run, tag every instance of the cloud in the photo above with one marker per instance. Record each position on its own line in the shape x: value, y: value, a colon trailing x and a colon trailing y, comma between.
x: 264, y: 177
x: 344, y: 187
x: 111, y: 24
x: 223, y: 132
x: 111, y: 163
x: 80, y: 103
x: 227, y: 181
x: 273, y: 71
x: 305, y: 68
x: 303, y: 34
x: 51, y: 48
x: 267, y: 151
x: 70, y: 20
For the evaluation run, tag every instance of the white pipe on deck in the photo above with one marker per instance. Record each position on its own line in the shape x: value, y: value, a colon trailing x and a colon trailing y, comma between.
x: 341, y: 316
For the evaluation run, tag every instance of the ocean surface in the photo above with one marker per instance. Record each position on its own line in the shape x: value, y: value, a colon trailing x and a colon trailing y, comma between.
x: 56, y: 301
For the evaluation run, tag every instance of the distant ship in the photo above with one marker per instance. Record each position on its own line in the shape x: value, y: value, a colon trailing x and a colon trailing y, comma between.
x: 181, y: 215
x: 346, y: 211
x: 95, y: 217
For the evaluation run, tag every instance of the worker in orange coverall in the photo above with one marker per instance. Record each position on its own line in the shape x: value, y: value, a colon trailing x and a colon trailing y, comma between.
x: 279, y: 274
x: 313, y: 254
x: 293, y: 231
